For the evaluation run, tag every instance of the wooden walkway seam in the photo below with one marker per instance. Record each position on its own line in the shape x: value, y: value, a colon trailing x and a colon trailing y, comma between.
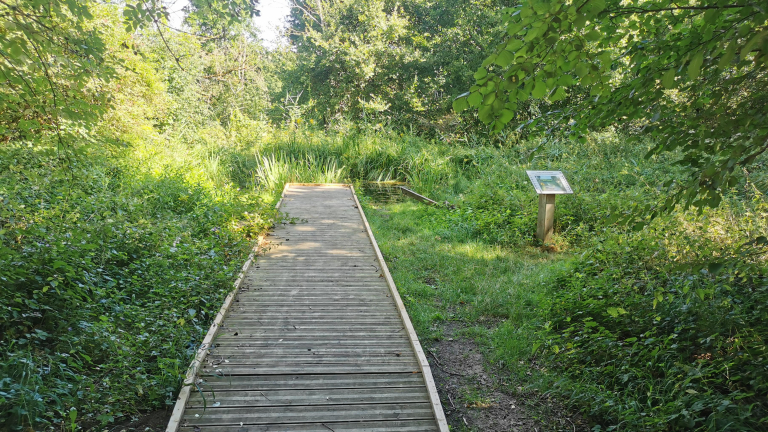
x: 314, y: 336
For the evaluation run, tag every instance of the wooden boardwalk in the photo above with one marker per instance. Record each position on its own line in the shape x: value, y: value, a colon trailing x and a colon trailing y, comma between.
x: 315, y: 338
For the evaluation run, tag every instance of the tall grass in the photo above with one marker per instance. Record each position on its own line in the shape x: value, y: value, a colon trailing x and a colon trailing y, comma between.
x: 275, y: 170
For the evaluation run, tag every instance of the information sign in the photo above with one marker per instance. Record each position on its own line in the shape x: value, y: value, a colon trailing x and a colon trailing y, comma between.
x: 549, y: 182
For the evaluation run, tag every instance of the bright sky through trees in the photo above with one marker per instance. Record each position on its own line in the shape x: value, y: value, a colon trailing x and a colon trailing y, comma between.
x: 270, y: 22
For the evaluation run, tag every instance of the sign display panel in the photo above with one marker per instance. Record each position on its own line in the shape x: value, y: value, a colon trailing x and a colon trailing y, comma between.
x: 549, y: 182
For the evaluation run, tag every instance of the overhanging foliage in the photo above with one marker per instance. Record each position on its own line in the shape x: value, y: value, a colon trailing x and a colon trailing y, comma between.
x: 692, y: 74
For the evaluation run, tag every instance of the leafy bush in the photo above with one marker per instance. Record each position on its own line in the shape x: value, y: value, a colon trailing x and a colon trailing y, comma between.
x: 664, y: 329
x: 111, y: 272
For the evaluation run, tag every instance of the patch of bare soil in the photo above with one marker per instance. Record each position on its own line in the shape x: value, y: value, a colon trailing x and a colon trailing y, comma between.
x: 477, y: 398
x: 152, y: 421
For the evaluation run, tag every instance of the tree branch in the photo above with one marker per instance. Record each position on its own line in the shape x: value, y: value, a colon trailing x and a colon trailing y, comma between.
x: 637, y: 10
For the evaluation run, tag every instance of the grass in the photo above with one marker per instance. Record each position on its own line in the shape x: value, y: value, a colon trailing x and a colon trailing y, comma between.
x: 444, y: 276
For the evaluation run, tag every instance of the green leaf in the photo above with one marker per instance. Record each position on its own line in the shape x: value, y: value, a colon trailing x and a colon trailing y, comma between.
x: 535, y: 347
x: 727, y: 58
x: 580, y: 21
x: 593, y: 35
x: 460, y: 104
x: 504, y: 58
x: 539, y: 90
x: 668, y: 80
x: 486, y: 114
x: 715, y: 267
x: 514, y: 44
x: 597, y: 6
x: 558, y: 95
x: 711, y: 16
x: 506, y: 116
x: 474, y: 99
x: 481, y: 73
x: 752, y: 43
x: 582, y: 70
x: 15, y: 50
x: 694, y: 68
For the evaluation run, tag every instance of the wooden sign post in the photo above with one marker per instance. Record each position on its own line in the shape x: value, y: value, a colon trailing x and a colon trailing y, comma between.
x: 546, y: 222
x: 547, y: 185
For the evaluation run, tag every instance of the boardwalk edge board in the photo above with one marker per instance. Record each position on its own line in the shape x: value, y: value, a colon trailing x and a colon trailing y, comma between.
x: 418, y: 197
x: 426, y: 371
x: 194, y: 367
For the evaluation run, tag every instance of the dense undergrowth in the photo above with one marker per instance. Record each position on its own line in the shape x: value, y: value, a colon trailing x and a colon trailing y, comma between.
x: 118, y: 257
x: 113, y: 263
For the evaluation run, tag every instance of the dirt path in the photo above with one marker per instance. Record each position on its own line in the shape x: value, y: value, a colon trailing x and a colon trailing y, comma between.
x: 478, y: 399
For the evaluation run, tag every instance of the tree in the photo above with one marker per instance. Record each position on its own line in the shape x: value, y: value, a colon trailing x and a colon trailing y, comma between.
x: 53, y: 67
x: 55, y: 61
x: 403, y: 60
x: 214, y: 18
x: 692, y: 74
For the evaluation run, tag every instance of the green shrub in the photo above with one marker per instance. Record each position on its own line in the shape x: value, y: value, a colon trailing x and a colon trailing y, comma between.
x: 111, y: 272
x: 664, y: 329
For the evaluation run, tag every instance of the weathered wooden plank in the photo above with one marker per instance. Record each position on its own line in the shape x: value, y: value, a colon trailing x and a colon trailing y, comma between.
x: 308, y: 397
x: 299, y: 302
x: 259, y: 314
x: 229, y: 355
x: 377, y: 426
x: 330, y: 337
x: 302, y: 319
x: 363, y: 281
x: 229, y: 349
x: 285, y: 286
x: 312, y: 328
x: 340, y: 301
x: 284, y: 369
x: 309, y: 264
x: 307, y: 356
x: 317, y: 308
x: 367, y: 275
x: 253, y: 293
x: 313, y: 414
x: 329, y: 309
x: 327, y: 327
x: 316, y: 344
x: 304, y: 381
x: 417, y: 196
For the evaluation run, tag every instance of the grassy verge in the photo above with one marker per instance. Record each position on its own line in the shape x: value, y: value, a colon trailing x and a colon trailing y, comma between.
x: 661, y: 329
